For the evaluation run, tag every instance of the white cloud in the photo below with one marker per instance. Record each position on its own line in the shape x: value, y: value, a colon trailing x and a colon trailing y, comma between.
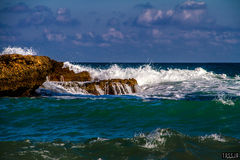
x: 188, y: 13
x: 112, y: 34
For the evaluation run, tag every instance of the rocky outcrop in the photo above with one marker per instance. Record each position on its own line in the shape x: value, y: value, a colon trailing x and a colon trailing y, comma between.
x: 22, y: 75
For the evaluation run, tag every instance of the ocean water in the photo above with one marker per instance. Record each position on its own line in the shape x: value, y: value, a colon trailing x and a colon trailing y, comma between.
x: 181, y: 111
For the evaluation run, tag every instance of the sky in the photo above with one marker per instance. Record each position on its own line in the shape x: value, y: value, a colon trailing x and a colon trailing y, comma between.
x: 124, y: 31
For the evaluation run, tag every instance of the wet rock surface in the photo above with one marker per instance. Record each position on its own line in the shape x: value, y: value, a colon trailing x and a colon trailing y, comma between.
x: 101, y: 87
x: 111, y: 87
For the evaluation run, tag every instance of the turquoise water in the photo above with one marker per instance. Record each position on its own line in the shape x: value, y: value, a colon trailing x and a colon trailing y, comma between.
x: 181, y: 119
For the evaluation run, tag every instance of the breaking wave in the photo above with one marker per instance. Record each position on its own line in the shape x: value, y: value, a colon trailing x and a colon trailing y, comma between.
x: 18, y: 50
x: 195, y: 84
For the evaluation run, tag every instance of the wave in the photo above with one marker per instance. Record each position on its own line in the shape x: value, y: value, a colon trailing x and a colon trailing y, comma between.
x: 158, y: 144
x: 18, y: 50
x: 168, y: 83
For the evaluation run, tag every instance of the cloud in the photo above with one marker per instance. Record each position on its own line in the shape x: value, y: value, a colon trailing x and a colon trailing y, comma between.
x: 156, y: 33
x: 113, y: 34
x: 43, y: 15
x: 192, y: 13
x: 17, y: 8
x: 64, y: 16
x: 54, y: 36
x: 187, y: 14
x: 88, y: 39
x: 40, y: 15
x: 114, y: 22
x: 91, y: 39
x: 192, y: 5
x: 153, y: 16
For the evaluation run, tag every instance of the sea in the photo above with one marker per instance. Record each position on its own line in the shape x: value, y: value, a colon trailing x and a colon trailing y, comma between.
x: 181, y: 111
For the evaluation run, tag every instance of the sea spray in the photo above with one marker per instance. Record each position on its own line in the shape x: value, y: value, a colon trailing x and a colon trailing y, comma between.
x: 18, y: 50
x: 174, y: 83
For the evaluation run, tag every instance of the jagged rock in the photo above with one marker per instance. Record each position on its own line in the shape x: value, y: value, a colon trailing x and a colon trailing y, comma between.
x: 22, y: 75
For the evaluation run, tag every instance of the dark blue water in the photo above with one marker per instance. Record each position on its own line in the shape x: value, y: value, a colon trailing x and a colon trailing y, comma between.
x: 181, y: 119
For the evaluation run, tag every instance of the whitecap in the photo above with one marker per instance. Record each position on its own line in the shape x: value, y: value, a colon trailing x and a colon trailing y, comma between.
x: 214, y: 137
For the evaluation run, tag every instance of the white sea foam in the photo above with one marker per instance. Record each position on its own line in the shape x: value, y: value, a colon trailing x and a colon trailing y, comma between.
x: 99, y: 139
x: 224, y: 100
x: 169, y: 83
x: 160, y: 138
x: 156, y: 138
x: 214, y: 137
x: 18, y: 50
x: 50, y: 87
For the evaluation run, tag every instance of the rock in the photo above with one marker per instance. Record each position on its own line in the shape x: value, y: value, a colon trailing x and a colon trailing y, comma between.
x: 111, y: 87
x: 64, y: 74
x: 102, y: 87
x: 22, y: 75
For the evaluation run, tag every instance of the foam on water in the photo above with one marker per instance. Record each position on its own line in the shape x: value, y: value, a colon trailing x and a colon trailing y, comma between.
x: 214, y: 137
x: 155, y: 138
x: 18, y: 50
x: 55, y: 88
x: 169, y: 83
x: 160, y: 137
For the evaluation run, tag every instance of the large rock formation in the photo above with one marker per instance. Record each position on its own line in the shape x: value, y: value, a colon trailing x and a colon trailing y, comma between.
x: 22, y: 75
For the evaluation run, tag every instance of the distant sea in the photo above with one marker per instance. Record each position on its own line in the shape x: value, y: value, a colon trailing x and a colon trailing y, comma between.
x: 181, y: 111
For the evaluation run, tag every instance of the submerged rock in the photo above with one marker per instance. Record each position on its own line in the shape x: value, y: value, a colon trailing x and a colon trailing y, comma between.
x: 21, y: 75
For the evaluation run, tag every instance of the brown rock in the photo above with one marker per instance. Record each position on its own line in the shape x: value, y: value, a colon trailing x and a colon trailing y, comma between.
x: 64, y: 74
x: 22, y: 75
x: 111, y: 87
x: 102, y: 87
